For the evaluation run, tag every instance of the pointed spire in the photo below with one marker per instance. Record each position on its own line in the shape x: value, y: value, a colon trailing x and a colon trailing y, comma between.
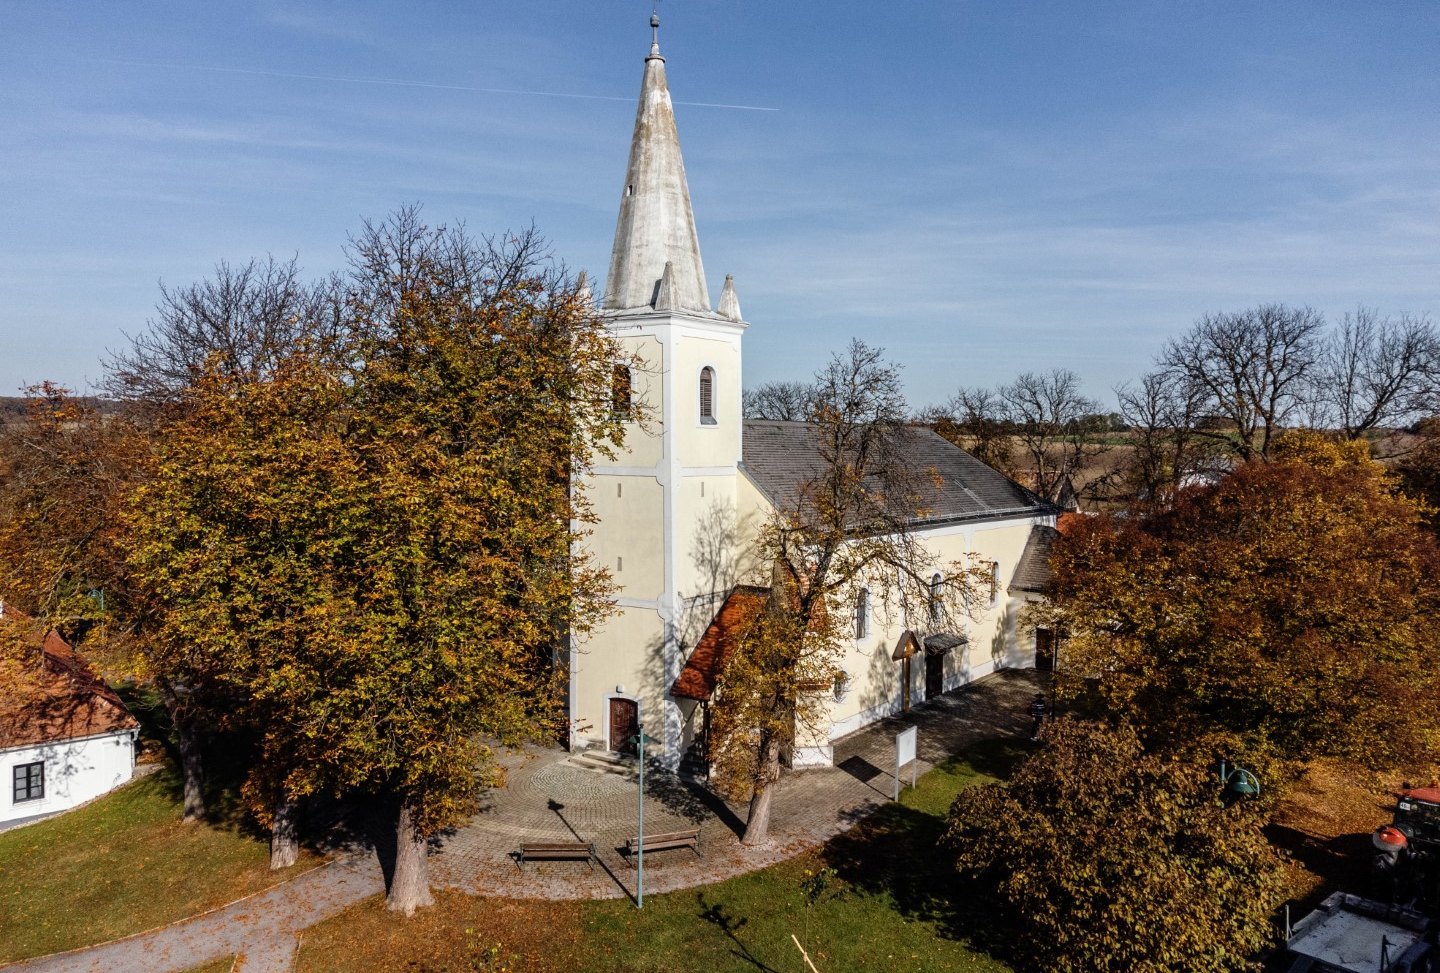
x: 729, y: 303
x: 656, y: 224
x: 583, y: 293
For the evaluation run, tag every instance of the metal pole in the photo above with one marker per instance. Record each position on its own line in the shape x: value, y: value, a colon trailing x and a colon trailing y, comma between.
x: 640, y: 816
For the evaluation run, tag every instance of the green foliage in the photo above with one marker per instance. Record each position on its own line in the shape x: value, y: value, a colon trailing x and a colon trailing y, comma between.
x: 1102, y: 857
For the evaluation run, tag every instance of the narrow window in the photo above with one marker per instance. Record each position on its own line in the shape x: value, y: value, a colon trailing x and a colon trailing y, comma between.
x: 707, y: 396
x: 862, y: 613
x: 994, y: 582
x: 935, y: 584
x: 620, y: 391
x: 29, y: 782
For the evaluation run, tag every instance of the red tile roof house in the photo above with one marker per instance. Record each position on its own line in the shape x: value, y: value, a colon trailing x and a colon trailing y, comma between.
x: 66, y: 740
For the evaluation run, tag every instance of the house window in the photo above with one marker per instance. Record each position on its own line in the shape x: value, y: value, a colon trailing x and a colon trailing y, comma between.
x: 994, y: 571
x: 862, y: 613
x: 707, y: 396
x: 620, y: 391
x: 936, y: 582
x: 29, y: 781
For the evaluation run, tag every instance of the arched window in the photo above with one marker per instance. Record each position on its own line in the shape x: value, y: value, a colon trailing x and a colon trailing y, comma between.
x: 862, y: 613
x: 620, y: 390
x: 707, y: 396
x: 936, y: 582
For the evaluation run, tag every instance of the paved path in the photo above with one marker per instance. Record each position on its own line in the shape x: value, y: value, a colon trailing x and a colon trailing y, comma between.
x: 546, y: 798
x: 263, y: 927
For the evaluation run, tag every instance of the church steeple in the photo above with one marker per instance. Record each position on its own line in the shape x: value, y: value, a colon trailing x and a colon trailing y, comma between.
x: 655, y: 236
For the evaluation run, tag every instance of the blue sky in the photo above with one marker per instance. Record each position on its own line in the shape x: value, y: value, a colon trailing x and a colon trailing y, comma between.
x: 982, y: 188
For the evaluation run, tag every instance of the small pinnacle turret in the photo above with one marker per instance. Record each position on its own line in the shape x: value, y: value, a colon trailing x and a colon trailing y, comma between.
x: 729, y: 303
x: 656, y: 225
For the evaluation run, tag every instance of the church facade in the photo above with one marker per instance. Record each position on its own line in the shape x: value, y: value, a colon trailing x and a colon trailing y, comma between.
x: 676, y: 510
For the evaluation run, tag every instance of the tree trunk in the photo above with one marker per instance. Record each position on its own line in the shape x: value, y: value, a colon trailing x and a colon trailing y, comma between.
x: 410, y: 884
x: 192, y: 770
x: 284, y: 840
x: 757, y: 823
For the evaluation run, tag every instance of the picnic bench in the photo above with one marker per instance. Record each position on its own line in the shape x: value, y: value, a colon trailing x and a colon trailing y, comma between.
x: 664, y: 842
x: 558, y: 851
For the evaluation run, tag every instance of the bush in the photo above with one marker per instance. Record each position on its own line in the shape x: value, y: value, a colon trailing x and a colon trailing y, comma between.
x: 1101, y: 857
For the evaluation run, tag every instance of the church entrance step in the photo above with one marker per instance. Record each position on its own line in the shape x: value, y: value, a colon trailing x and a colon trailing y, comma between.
x: 605, y: 762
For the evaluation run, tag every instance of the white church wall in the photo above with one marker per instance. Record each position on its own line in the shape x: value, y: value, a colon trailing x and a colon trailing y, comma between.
x: 875, y: 689
x: 632, y: 544
x: 699, y: 444
x: 623, y: 658
x: 642, y: 446
x: 76, y: 771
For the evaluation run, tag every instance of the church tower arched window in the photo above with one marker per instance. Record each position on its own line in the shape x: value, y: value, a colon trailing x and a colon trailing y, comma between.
x: 621, y: 390
x: 707, y: 396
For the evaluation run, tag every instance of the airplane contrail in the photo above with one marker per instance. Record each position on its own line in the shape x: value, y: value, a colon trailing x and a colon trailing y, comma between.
x: 401, y: 83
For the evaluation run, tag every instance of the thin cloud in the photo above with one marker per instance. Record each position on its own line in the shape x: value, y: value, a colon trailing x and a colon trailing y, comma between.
x: 406, y: 83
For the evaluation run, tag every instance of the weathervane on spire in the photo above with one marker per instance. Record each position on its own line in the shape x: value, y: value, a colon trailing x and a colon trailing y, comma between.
x: 655, y: 27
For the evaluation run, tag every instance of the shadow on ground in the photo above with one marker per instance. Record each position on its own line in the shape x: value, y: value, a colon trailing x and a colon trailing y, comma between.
x: 899, y: 852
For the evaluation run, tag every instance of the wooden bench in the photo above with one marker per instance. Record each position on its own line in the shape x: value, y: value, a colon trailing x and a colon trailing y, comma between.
x: 558, y: 851
x: 664, y: 842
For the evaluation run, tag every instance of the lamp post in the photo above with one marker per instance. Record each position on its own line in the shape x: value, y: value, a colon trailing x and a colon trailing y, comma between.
x: 640, y: 739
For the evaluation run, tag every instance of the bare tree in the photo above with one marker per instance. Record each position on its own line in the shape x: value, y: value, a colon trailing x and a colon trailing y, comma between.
x: 1256, y: 372
x: 1376, y: 372
x: 1161, y: 412
x: 787, y: 401
x: 849, y: 525
x: 246, y: 318
x: 1050, y: 418
x: 976, y: 420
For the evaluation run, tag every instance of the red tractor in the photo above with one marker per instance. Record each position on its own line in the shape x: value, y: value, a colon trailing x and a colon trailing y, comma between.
x: 1407, y: 851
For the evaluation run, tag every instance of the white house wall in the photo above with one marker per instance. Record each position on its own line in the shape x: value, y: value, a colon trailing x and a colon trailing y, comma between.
x: 76, y: 771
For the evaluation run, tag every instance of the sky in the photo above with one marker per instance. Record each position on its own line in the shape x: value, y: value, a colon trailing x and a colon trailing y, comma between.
x: 982, y: 188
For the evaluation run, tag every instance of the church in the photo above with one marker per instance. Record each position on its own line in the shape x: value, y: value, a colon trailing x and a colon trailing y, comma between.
x: 677, y: 509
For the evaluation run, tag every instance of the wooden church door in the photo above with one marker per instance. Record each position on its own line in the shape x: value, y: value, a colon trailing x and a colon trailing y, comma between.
x: 624, y: 725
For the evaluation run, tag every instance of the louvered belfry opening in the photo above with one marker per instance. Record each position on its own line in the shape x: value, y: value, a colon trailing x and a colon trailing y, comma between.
x: 707, y: 395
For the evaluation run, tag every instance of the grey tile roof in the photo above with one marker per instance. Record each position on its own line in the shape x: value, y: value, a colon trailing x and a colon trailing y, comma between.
x: 781, y: 457
x: 1033, y: 571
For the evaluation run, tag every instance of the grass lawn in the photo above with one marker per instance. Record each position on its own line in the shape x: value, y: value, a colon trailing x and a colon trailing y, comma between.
x: 120, y: 865
x: 884, y: 907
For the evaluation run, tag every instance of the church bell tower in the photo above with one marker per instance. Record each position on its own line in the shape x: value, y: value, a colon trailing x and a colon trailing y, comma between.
x: 666, y: 505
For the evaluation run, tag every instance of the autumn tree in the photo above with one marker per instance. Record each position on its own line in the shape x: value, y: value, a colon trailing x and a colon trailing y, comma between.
x: 850, y: 525
x: 62, y: 470
x: 1287, y: 610
x: 239, y: 532
x: 1100, y: 856
x: 409, y: 503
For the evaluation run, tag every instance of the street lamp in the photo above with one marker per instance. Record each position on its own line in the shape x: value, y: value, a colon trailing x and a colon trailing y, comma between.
x: 640, y: 739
